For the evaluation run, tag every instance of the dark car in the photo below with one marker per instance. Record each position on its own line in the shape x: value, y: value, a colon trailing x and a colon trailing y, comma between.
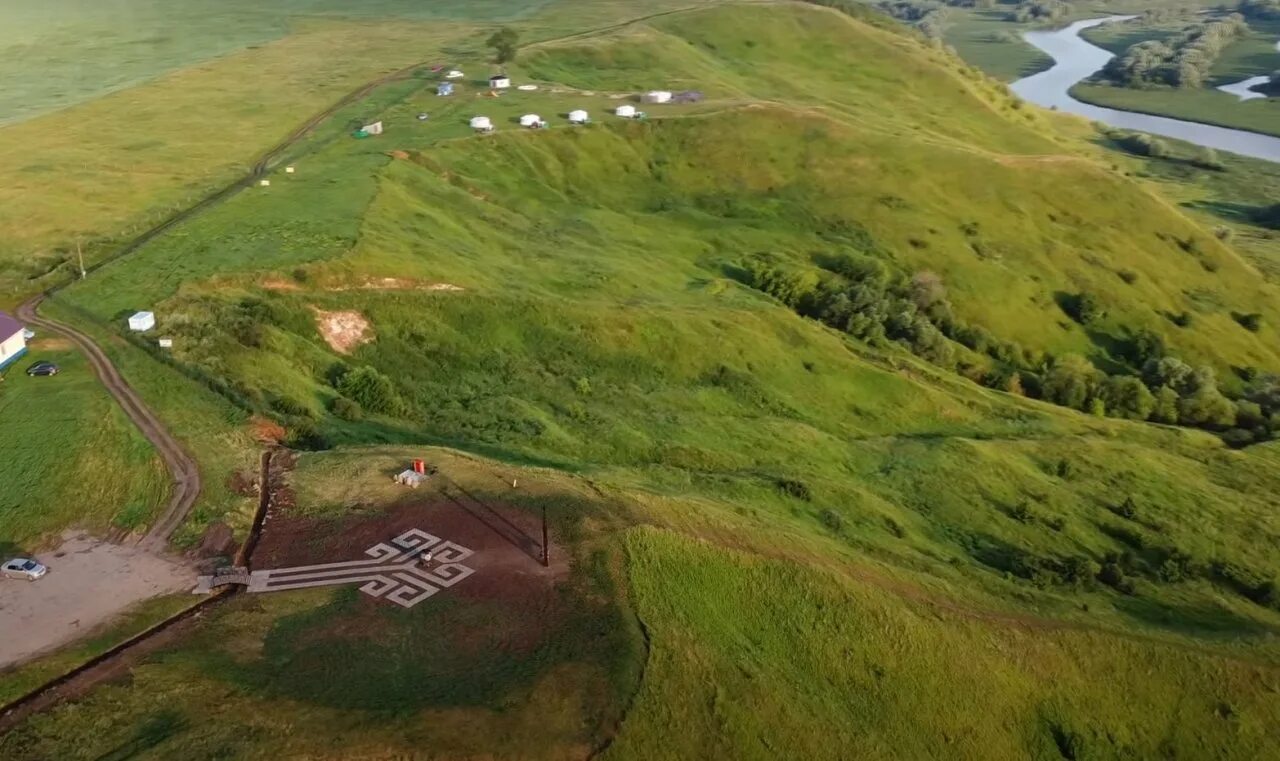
x: 43, y: 368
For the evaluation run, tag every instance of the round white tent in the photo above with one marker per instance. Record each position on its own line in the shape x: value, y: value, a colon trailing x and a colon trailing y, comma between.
x: 531, y: 120
x: 657, y: 96
x: 579, y: 116
x: 481, y: 123
x: 455, y: 74
x: 626, y: 111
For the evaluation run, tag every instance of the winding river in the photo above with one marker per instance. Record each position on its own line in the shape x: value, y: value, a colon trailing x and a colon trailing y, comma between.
x: 1075, y: 59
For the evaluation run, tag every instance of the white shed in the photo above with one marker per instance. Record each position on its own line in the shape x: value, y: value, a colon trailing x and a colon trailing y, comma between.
x: 626, y: 111
x: 372, y: 129
x: 142, y: 321
x: 579, y: 116
x: 481, y: 124
x: 499, y: 82
x: 657, y: 96
x: 454, y: 74
x: 531, y: 120
x: 13, y: 340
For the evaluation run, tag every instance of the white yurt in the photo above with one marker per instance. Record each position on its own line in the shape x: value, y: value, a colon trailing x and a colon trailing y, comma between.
x: 531, y: 120
x: 499, y: 81
x: 626, y: 111
x: 455, y: 74
x: 481, y: 124
x: 578, y: 116
x: 657, y: 96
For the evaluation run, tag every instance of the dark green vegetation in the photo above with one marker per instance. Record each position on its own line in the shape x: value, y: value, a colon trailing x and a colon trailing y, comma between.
x: 751, y: 328
x: 1180, y: 60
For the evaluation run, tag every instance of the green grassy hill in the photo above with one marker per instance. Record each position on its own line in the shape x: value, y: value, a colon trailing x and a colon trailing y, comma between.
x: 783, y: 537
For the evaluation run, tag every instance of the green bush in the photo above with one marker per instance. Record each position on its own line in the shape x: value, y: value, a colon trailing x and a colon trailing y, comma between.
x: 345, y: 409
x: 371, y: 389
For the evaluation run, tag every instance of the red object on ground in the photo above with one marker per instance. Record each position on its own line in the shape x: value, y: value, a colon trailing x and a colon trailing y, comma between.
x: 419, y: 467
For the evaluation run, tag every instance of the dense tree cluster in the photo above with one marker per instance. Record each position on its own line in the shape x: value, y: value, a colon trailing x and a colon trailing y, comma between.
x: 926, y: 16
x: 866, y: 297
x: 1038, y: 10
x: 1183, y: 60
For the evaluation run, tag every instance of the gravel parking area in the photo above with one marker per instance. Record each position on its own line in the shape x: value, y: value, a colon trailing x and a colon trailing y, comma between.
x: 90, y: 581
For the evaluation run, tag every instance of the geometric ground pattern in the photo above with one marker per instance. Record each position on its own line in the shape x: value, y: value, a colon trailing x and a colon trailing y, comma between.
x: 392, y: 572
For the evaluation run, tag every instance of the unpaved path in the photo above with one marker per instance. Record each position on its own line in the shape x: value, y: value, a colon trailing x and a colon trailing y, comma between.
x: 89, y: 582
x: 186, y: 475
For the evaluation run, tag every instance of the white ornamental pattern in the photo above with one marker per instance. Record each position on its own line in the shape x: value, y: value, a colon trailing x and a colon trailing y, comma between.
x: 393, y: 571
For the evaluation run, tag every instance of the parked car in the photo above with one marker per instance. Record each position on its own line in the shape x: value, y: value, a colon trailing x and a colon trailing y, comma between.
x: 23, y: 568
x: 42, y: 368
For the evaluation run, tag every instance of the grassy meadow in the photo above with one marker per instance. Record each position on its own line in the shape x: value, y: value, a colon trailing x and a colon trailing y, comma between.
x: 783, y: 540
x: 72, y: 457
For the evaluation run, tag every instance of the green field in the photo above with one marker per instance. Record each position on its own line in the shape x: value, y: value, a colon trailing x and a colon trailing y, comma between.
x: 72, y: 459
x: 784, y: 539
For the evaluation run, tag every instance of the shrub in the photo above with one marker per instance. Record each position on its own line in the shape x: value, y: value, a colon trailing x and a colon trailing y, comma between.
x: 1083, y: 308
x: 371, y: 389
x: 1022, y: 512
x: 304, y: 434
x: 793, y: 488
x: 345, y: 409
x: 1127, y: 509
x: 292, y: 407
x: 831, y: 520
x: 1251, y: 321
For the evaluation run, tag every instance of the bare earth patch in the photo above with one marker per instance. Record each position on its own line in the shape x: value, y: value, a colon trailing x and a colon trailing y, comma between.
x: 344, y: 330
x: 90, y: 581
x: 369, y: 284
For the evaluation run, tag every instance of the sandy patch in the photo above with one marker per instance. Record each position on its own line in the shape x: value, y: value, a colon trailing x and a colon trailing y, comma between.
x: 90, y: 581
x: 278, y: 284
x: 49, y: 344
x: 344, y: 330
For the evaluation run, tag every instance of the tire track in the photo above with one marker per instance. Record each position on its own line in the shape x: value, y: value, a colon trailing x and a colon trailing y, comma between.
x: 182, y: 467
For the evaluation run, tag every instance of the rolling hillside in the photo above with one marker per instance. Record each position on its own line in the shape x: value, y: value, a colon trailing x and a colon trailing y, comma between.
x: 787, y: 534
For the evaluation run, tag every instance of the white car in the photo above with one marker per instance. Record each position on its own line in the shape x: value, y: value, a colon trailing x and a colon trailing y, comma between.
x: 23, y: 568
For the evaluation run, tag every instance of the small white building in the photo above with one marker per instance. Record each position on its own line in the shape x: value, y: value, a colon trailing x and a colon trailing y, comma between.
x: 142, y: 321
x: 481, y: 124
x: 533, y: 121
x: 13, y: 340
x: 579, y: 116
x: 626, y: 111
x: 264, y: 183
x: 454, y: 74
x: 499, y: 82
x: 165, y: 343
x: 372, y: 129
x: 657, y: 96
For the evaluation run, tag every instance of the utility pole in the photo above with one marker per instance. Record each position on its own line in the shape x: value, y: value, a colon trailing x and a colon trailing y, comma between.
x: 80, y: 256
x: 546, y: 556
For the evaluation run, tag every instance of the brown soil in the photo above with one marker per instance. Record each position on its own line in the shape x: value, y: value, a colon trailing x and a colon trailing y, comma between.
x: 266, y: 431
x: 506, y: 542
x: 343, y: 330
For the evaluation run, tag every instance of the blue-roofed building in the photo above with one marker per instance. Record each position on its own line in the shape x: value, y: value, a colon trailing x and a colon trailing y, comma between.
x: 444, y: 88
x: 13, y: 340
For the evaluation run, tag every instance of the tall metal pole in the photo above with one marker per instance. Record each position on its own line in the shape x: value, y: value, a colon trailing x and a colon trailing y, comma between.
x: 546, y: 555
x: 80, y: 256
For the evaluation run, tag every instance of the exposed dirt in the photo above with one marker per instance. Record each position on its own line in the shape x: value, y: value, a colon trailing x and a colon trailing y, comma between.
x: 49, y: 344
x: 506, y: 541
x: 368, y: 284
x: 343, y: 330
x: 90, y: 581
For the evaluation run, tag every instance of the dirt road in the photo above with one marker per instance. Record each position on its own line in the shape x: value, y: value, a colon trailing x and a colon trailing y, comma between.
x: 186, y: 475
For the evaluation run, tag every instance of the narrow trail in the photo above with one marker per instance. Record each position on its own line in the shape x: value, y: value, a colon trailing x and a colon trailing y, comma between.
x: 185, y: 471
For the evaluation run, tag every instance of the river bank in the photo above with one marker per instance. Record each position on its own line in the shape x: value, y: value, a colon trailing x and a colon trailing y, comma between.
x: 1076, y: 59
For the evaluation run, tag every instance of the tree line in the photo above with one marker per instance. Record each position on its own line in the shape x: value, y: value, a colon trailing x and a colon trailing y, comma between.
x: 1183, y: 60
x: 867, y: 298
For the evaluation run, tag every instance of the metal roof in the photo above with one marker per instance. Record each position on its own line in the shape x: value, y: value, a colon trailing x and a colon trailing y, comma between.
x: 8, y: 326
